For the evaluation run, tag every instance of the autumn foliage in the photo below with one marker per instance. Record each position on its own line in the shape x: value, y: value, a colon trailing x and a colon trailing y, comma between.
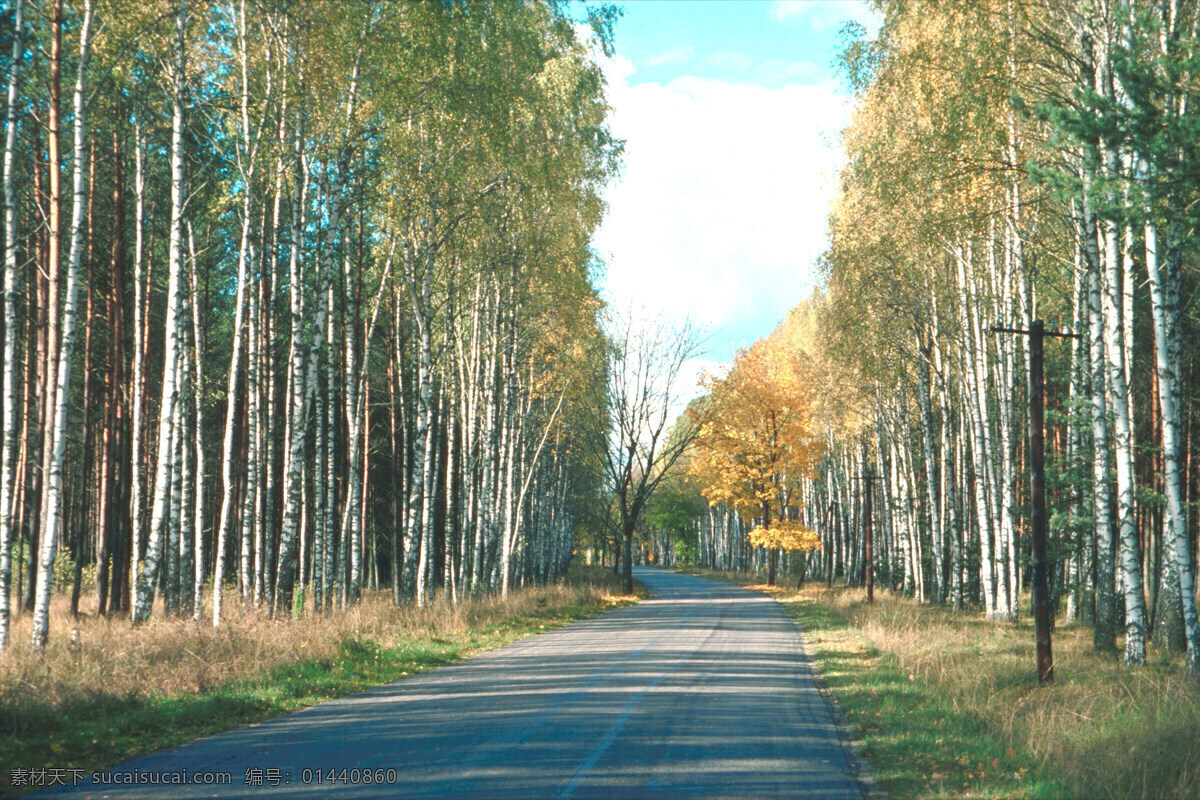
x: 760, y: 441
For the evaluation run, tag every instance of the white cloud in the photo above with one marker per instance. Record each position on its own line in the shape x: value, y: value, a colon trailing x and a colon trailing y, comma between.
x: 721, y: 210
x: 823, y: 15
x: 674, y: 56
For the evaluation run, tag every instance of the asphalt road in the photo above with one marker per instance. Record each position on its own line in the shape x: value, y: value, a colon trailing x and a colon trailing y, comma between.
x: 703, y: 691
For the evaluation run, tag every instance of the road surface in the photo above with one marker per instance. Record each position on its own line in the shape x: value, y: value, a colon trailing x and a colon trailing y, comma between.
x: 704, y: 690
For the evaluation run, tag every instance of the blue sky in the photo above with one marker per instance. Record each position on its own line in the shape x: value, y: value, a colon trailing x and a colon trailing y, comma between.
x: 763, y: 43
x: 731, y: 112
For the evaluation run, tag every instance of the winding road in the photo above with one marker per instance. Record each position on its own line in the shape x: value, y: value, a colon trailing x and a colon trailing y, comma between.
x: 704, y: 690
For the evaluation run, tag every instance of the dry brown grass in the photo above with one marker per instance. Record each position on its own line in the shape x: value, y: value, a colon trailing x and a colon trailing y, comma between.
x: 112, y: 692
x: 1108, y: 731
x: 173, y: 656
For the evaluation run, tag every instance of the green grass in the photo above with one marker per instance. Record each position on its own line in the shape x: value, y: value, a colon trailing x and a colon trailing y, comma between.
x: 915, y: 740
x: 92, y: 732
x: 947, y: 705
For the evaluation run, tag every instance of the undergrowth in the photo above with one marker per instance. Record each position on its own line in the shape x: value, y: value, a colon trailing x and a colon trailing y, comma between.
x: 947, y: 705
x: 112, y: 692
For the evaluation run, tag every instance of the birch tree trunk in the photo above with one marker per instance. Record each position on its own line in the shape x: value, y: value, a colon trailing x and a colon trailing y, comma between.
x: 399, y: 448
x: 329, y: 532
x: 50, y: 332
x: 1113, y: 284
x: 140, y: 323
x: 199, y: 511
x: 1104, y: 632
x: 1006, y: 590
x: 303, y: 375
x: 931, y: 482
x: 182, y: 485
x: 422, y: 508
x: 1164, y: 308
x: 1130, y: 557
x: 167, y: 409
x: 249, y: 583
x: 232, y: 400
x: 58, y: 441
x: 354, y: 396
x: 351, y: 533
x: 9, y: 390
x: 950, y: 467
x: 299, y: 405
x: 246, y: 256
x: 1080, y: 602
x: 976, y: 404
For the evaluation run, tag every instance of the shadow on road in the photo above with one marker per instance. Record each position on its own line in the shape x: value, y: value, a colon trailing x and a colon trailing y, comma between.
x: 703, y: 690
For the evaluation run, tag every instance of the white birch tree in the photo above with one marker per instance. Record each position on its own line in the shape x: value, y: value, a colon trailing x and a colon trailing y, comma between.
x: 8, y: 390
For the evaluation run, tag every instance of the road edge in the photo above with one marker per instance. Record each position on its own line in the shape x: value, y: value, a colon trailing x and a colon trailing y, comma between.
x: 852, y: 747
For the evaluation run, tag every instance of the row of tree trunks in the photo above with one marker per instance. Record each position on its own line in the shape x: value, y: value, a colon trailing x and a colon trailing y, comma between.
x: 279, y: 328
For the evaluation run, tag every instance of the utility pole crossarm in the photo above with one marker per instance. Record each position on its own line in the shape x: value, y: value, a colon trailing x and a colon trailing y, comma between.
x: 1043, y: 332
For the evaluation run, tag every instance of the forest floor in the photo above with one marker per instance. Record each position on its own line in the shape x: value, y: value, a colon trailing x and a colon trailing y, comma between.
x: 119, y: 692
x: 947, y: 705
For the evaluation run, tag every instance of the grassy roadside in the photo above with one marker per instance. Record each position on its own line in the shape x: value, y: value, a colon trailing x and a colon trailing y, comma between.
x: 947, y: 705
x: 919, y: 733
x: 121, y: 693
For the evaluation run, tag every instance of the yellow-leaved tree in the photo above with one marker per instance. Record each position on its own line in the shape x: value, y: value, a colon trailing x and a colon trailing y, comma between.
x: 760, y: 441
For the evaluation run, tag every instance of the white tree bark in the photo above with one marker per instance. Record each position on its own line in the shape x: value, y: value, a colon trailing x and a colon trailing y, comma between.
x: 354, y: 383
x: 227, y: 466
x: 351, y: 387
x: 1164, y: 306
x: 420, y: 511
x: 1006, y: 589
x: 529, y: 473
x: 246, y: 255
x: 201, y: 482
x: 329, y: 533
x: 1113, y: 284
x: 1079, y: 566
x: 1105, y: 625
x: 138, y: 482
x: 1130, y: 557
x: 975, y: 401
x: 303, y: 372
x: 9, y: 421
x: 252, y: 533
x: 58, y: 442
x: 179, y: 525
x: 931, y: 471
x: 167, y: 409
x: 305, y: 369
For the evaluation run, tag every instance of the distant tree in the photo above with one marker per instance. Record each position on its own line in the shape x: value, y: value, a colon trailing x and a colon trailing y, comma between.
x: 758, y: 443
x: 643, y: 388
x: 671, y: 517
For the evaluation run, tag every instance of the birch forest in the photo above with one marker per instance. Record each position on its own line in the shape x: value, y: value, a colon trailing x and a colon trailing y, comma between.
x: 298, y: 301
x: 1007, y: 161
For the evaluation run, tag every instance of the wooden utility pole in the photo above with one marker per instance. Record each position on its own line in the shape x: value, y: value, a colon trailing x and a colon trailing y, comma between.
x: 1037, y: 470
x: 868, y: 529
x: 829, y: 553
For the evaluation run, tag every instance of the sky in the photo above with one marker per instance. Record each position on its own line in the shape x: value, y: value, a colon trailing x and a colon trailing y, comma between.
x: 731, y: 112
